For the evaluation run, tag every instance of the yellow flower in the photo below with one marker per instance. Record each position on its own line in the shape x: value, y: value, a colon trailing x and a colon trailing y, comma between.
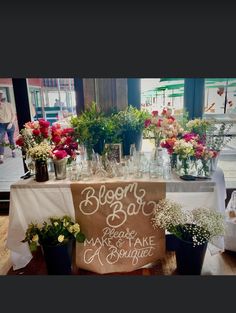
x: 60, y: 238
x: 35, y: 238
x: 76, y: 228
x: 71, y: 229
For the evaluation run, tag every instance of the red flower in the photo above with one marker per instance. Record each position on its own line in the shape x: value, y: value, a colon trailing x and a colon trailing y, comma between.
x: 56, y: 139
x: 147, y: 123
x: 154, y: 113
x: 44, y: 123
x: 67, y: 131
x: 74, y: 145
x: 20, y: 141
x: 60, y: 154
x: 36, y: 132
x: 68, y: 140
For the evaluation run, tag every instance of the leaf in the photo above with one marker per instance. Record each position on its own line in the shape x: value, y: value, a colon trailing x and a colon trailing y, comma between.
x: 33, y: 246
x: 80, y: 237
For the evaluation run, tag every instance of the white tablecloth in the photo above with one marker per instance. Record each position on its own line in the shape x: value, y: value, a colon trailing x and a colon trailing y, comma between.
x: 34, y: 202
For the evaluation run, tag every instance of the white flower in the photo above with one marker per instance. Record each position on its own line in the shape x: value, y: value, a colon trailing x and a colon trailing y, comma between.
x: 60, y: 238
x: 56, y: 223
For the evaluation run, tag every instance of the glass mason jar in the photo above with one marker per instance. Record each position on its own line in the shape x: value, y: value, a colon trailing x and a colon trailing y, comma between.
x: 204, y: 168
x: 186, y: 166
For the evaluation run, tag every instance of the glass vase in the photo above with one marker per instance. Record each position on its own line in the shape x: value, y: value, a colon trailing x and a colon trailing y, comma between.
x: 41, y: 171
x: 186, y: 166
x: 204, y: 168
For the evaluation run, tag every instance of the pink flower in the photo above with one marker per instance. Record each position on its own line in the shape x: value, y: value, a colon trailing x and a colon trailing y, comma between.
x: 189, y: 136
x: 147, y: 123
x: 60, y: 154
x: 154, y: 113
x: 171, y: 119
x: 159, y: 122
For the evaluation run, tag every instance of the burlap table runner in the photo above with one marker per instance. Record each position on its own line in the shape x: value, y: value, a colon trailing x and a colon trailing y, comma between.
x: 116, y: 219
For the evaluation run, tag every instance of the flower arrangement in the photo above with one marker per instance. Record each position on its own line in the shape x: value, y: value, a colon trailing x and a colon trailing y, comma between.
x: 199, y: 127
x: 33, y: 134
x: 41, y: 141
x: 64, y: 144
x: 163, y: 126
x: 197, y: 226
x: 54, y: 232
x: 40, y: 152
x: 191, y: 146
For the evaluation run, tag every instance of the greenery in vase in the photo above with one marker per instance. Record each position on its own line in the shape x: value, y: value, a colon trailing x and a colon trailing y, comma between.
x: 130, y: 119
x: 90, y: 127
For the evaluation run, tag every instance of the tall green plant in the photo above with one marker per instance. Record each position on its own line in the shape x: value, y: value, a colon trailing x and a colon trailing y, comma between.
x: 130, y: 119
x: 90, y: 126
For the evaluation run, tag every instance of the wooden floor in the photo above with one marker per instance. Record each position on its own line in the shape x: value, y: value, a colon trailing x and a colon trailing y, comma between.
x: 219, y: 264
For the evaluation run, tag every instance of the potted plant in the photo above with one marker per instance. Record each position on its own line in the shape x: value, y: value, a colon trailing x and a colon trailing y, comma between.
x: 56, y: 237
x: 130, y: 124
x: 90, y: 128
x: 192, y: 229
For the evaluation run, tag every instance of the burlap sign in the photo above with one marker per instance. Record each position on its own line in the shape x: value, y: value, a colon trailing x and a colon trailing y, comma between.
x: 116, y: 219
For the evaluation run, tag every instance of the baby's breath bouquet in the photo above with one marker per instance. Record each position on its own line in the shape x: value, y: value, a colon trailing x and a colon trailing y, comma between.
x: 41, y: 152
x: 197, y: 226
x: 54, y: 232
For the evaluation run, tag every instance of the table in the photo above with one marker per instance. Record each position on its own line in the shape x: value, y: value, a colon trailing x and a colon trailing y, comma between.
x: 31, y: 201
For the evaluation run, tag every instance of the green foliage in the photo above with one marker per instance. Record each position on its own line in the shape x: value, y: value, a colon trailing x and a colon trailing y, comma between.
x: 90, y: 126
x: 130, y: 119
x: 218, y: 135
x: 183, y: 120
